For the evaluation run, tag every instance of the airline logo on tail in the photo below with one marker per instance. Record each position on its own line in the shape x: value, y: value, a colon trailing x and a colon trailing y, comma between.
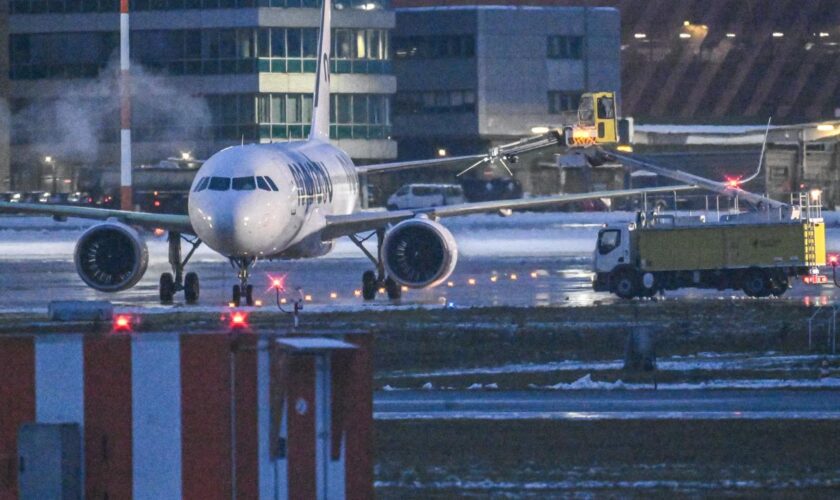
x: 321, y: 100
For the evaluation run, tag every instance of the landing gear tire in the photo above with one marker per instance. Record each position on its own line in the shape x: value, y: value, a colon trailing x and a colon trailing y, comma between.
x: 236, y: 296
x: 369, y: 285
x: 393, y: 289
x: 167, y: 288
x: 756, y: 283
x: 249, y: 295
x: 626, y: 283
x: 191, y: 288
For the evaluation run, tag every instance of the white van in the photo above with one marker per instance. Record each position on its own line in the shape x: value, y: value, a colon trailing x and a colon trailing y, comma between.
x: 425, y: 195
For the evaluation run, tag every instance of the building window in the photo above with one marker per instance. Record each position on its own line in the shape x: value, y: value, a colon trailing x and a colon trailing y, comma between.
x: 439, y: 101
x: 199, y: 52
x: 565, y: 47
x: 288, y: 116
x: 77, y: 6
x: 59, y: 55
x: 434, y: 47
x: 562, y: 101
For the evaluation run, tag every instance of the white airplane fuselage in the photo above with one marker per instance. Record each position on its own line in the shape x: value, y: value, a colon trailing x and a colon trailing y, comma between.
x: 271, y: 200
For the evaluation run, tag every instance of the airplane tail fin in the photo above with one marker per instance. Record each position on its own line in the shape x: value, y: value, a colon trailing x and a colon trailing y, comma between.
x: 321, y: 100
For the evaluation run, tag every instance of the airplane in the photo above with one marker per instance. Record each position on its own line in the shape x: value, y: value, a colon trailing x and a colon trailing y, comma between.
x: 290, y: 201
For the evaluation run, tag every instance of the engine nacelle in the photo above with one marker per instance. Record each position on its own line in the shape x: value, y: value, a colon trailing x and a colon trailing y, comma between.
x: 111, y: 257
x: 419, y: 253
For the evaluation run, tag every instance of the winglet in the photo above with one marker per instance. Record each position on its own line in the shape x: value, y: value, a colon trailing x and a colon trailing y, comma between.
x: 321, y: 100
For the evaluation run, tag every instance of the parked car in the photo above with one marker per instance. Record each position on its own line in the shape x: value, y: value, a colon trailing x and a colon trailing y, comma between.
x: 425, y: 195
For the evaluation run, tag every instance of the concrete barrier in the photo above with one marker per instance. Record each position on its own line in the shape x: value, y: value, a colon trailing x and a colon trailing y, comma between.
x: 80, y: 310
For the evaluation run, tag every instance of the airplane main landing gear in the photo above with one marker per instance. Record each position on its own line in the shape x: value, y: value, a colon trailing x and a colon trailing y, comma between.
x: 243, y: 289
x: 372, y: 281
x: 171, y: 283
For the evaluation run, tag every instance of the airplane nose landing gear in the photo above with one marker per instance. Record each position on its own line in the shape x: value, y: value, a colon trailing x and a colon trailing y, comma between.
x: 243, y: 288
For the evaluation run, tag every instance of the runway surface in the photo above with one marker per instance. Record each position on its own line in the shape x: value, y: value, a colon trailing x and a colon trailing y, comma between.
x: 541, y: 259
x: 602, y: 405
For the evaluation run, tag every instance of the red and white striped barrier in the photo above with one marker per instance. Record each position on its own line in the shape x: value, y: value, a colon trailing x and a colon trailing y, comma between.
x: 197, y: 415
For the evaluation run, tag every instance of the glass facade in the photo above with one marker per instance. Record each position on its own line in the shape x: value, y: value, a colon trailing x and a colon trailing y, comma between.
x: 253, y: 117
x: 60, y: 55
x: 440, y: 101
x: 199, y: 52
x: 352, y: 116
x: 75, y: 6
x: 434, y: 47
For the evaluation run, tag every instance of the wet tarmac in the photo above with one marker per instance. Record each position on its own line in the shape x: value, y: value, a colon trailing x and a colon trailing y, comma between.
x: 536, y: 260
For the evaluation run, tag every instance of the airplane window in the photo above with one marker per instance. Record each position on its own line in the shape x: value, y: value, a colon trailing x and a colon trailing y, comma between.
x: 244, y: 184
x: 219, y: 183
x: 271, y: 183
x: 262, y: 184
x: 202, y: 184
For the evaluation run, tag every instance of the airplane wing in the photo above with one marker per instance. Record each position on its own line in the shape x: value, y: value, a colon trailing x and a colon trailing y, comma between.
x: 169, y: 222
x: 503, y: 153
x: 343, y: 225
x: 701, y: 182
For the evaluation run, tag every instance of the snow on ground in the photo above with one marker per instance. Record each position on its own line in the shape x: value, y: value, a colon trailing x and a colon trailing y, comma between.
x: 706, y: 362
x: 583, y: 485
x: 586, y: 383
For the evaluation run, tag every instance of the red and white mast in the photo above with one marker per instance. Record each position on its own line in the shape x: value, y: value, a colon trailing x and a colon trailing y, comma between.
x: 126, y: 202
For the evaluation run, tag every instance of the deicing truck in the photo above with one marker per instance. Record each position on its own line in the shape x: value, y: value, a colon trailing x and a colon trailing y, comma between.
x: 666, y: 253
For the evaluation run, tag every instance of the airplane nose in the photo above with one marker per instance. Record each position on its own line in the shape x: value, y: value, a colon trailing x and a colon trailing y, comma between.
x: 237, y: 230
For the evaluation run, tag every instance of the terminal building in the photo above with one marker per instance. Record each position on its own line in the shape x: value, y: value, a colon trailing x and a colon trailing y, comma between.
x: 470, y: 77
x: 206, y: 74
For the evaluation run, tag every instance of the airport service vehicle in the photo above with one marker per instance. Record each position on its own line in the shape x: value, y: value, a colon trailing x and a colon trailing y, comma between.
x: 597, y: 122
x: 666, y: 253
x: 291, y: 200
x: 425, y: 195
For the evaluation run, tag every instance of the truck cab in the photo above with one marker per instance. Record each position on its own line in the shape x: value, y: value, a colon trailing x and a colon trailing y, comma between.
x: 612, y: 248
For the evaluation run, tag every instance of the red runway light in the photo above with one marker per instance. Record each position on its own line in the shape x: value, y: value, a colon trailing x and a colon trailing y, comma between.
x: 122, y: 323
x: 238, y: 320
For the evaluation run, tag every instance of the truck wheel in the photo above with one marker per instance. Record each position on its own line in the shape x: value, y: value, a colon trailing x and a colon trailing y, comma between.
x: 626, y: 283
x: 756, y: 283
x: 779, y: 284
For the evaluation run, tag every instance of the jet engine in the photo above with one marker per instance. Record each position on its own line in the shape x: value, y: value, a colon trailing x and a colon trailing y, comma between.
x: 111, y: 257
x: 419, y: 253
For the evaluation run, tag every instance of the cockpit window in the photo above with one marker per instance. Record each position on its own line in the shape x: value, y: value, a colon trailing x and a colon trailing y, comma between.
x: 262, y: 184
x: 271, y: 183
x: 244, y: 184
x: 202, y: 184
x: 219, y: 183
